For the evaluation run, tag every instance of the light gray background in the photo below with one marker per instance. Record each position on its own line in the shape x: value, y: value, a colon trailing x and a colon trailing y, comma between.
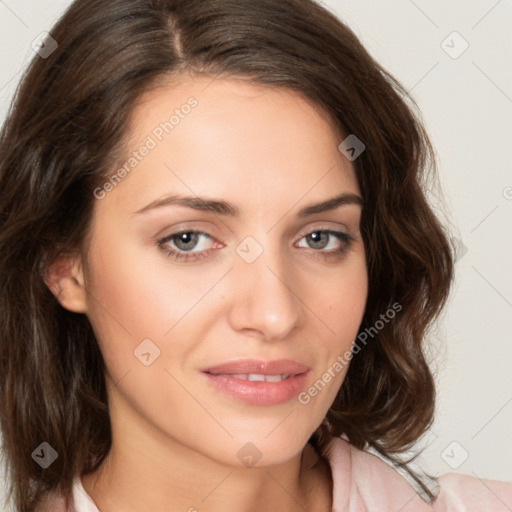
x: 467, y: 106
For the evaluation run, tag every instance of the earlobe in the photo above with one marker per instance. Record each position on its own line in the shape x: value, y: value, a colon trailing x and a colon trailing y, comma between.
x: 65, y: 279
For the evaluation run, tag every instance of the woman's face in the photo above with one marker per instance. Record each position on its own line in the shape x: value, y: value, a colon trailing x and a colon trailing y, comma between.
x: 237, y: 349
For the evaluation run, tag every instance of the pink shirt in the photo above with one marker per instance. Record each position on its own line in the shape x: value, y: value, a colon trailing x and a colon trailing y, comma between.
x: 362, y: 482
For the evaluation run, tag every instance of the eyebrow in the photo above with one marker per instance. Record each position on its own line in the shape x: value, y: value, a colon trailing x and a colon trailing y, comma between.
x: 222, y: 207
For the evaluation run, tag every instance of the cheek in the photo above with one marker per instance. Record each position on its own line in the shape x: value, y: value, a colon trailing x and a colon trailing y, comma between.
x: 126, y: 303
x: 139, y: 294
x: 340, y: 305
x: 343, y: 303
x: 345, y: 314
x: 124, y: 298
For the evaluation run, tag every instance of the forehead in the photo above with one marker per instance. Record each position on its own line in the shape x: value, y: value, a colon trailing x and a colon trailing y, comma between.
x: 210, y: 135
x: 237, y: 107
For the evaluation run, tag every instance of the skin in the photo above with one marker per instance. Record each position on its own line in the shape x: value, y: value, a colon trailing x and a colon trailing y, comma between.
x: 270, y: 152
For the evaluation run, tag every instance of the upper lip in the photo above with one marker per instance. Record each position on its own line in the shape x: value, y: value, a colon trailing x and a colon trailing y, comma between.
x: 254, y: 366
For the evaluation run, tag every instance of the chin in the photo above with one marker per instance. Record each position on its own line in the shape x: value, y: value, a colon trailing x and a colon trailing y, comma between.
x: 261, y: 449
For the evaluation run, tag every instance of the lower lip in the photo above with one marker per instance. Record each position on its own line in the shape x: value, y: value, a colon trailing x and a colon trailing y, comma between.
x: 259, y: 393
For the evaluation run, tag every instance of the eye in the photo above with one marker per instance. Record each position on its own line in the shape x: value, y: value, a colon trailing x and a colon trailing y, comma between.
x: 321, y: 239
x: 184, y: 242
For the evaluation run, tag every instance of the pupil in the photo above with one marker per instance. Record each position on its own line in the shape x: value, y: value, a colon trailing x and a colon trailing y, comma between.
x: 316, y: 238
x: 186, y: 239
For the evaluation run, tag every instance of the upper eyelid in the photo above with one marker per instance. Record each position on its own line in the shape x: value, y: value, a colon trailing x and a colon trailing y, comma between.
x: 200, y: 231
x: 170, y: 236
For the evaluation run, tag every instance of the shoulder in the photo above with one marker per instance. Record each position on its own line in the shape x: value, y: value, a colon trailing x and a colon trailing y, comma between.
x: 363, y: 481
x: 464, y: 493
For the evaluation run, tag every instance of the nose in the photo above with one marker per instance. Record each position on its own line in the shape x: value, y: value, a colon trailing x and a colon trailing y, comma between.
x: 266, y: 300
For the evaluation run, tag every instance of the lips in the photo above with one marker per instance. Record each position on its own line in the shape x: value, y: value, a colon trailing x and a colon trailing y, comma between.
x: 252, y: 366
x: 258, y: 382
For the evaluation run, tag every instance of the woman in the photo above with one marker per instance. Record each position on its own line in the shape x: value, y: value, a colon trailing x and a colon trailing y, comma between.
x: 218, y: 267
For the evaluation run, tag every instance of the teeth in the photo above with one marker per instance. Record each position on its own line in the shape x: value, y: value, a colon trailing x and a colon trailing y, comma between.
x: 258, y: 377
x: 238, y: 376
x: 274, y: 378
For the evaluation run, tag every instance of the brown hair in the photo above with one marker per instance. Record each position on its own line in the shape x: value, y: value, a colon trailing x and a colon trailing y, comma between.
x: 65, y: 132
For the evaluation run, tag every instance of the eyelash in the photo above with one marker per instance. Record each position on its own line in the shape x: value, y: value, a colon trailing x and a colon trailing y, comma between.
x: 333, y: 255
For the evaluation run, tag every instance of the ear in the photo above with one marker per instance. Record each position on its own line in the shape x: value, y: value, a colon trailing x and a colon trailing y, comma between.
x: 65, y: 279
